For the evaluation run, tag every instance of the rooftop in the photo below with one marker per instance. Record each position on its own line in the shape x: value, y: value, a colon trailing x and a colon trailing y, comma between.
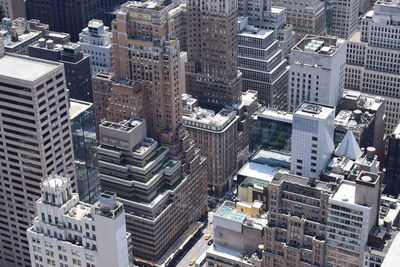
x: 393, y: 256
x: 229, y: 212
x: 259, y: 171
x: 207, y: 119
x: 276, y: 115
x: 346, y: 192
x: 321, y: 45
x: 76, y: 107
x: 124, y: 126
x: 314, y: 110
x: 25, y: 68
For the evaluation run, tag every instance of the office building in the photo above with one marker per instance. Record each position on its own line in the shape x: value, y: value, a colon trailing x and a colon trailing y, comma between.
x: 353, y: 211
x: 269, y: 17
x: 216, y: 135
x: 84, y: 141
x: 35, y: 142
x: 161, y: 199
x: 212, y: 74
x: 312, y: 139
x: 343, y: 18
x: 76, y: 65
x: 306, y: 16
x: 95, y: 40
x: 373, y: 57
x: 17, y: 35
x: 392, y: 175
x: 297, y: 219
x: 56, y: 37
x: 68, y: 232
x: 12, y: 9
x: 317, y: 67
x: 261, y: 63
x: 69, y: 17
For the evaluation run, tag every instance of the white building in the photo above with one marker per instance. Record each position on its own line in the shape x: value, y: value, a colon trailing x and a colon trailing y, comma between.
x: 95, y: 40
x: 344, y: 17
x: 68, y: 232
x: 312, y: 139
x: 317, y: 66
x: 373, y: 58
x: 353, y: 211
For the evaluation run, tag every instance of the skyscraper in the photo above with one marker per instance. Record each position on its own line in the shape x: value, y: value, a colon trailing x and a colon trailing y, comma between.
x: 68, y: 232
x: 35, y: 142
x: 392, y: 175
x: 317, y: 67
x: 312, y: 139
x: 373, y: 58
x: 212, y: 74
x: 343, y: 18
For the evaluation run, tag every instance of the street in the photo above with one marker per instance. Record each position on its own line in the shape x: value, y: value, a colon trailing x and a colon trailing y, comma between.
x: 200, y: 247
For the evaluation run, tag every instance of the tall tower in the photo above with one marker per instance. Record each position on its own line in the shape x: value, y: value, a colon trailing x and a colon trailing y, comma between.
x: 212, y: 74
x: 35, y: 141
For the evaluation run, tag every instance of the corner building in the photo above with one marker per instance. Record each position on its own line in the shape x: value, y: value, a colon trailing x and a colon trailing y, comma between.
x: 35, y: 141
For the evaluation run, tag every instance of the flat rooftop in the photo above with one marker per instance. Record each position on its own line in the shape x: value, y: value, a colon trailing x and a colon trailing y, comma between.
x: 230, y: 213
x: 257, y: 33
x: 346, y: 192
x: 259, y: 171
x: 76, y: 107
x: 125, y: 126
x: 314, y: 110
x: 276, y: 115
x: 25, y: 68
x: 392, y: 257
x: 321, y: 45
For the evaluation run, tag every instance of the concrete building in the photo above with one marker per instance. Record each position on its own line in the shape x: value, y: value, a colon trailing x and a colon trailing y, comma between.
x: 312, y: 139
x: 373, y: 57
x: 353, y: 211
x: 35, y: 142
x: 17, y: 35
x: 297, y: 221
x: 263, y: 67
x: 343, y: 18
x: 161, y: 199
x: 212, y: 74
x: 306, y: 16
x: 84, y: 141
x: 12, y: 9
x: 392, y: 175
x: 317, y: 67
x: 269, y: 17
x: 56, y: 37
x: 76, y: 65
x: 216, y: 135
x: 68, y: 232
x: 95, y: 40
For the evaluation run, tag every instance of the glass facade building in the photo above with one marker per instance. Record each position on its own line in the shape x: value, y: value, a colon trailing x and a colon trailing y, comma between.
x: 84, y: 142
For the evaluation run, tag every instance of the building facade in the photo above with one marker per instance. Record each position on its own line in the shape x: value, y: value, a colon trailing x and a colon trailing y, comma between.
x: 212, y: 74
x: 392, y: 175
x: 161, y: 199
x: 35, y: 142
x: 68, y: 232
x: 317, y: 68
x: 312, y: 139
x: 373, y: 56
x: 343, y: 18
x: 95, y: 40
x: 307, y: 17
x: 262, y: 64
x: 84, y: 140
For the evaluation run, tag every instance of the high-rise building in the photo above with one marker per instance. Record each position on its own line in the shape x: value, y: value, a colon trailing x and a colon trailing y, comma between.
x: 270, y: 18
x: 161, y: 199
x: 263, y: 67
x: 306, y: 16
x: 84, y: 141
x: 343, y: 17
x: 95, y: 40
x: 312, y: 139
x: 68, y: 232
x: 212, y: 74
x: 297, y: 221
x: 35, y: 142
x: 373, y: 58
x: 76, y: 65
x: 392, y: 175
x: 353, y: 211
x: 317, y: 67
x: 216, y: 136
x: 12, y: 9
